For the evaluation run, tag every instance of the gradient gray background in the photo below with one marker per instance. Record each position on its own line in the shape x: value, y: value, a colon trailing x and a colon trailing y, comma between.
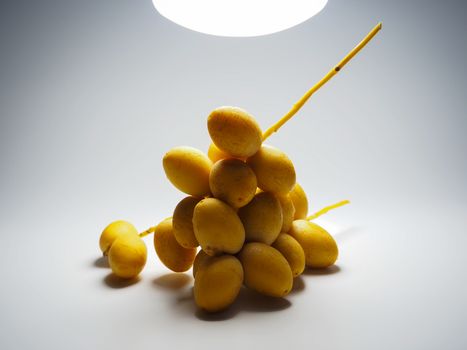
x: 93, y: 93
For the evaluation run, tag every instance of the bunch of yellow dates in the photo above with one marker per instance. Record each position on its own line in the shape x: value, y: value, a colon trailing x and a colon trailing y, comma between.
x: 244, y: 210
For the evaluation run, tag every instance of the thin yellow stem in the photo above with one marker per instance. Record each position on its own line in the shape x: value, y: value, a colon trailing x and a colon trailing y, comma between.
x: 148, y: 231
x: 299, y: 104
x: 326, y: 209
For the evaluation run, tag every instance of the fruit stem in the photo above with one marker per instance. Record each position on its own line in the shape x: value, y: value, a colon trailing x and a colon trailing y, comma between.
x: 296, y: 107
x: 148, y: 231
x: 326, y: 209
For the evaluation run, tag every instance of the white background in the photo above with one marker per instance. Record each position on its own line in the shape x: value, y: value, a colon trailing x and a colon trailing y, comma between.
x: 93, y: 93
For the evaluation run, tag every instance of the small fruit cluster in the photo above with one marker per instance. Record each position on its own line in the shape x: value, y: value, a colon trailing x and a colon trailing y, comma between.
x: 244, y: 209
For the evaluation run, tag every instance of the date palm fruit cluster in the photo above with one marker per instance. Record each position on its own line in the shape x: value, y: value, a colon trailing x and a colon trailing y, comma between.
x: 244, y: 210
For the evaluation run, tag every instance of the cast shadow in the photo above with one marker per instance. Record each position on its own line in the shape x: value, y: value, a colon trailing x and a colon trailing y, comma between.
x: 172, y: 281
x: 116, y: 282
x: 101, y: 262
x: 298, y: 285
x: 319, y: 272
x: 247, y: 301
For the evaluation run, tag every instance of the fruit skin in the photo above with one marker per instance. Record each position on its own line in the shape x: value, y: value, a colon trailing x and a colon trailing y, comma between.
x: 292, y: 252
x: 288, y: 212
x: 233, y: 181
x: 215, y: 154
x: 188, y: 169
x: 266, y: 270
x: 218, y: 282
x: 170, y: 252
x: 127, y: 256
x: 200, y: 258
x: 319, y: 246
x: 300, y: 202
x: 217, y: 227
x: 234, y: 131
x: 262, y: 218
x: 113, y: 231
x: 274, y: 170
x: 182, y: 221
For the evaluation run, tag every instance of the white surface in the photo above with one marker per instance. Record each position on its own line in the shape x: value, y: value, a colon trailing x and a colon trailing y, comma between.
x: 399, y: 281
x: 93, y: 93
x: 239, y: 18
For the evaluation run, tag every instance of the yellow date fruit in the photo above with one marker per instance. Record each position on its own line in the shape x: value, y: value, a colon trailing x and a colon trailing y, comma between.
x: 274, y: 170
x: 113, y: 231
x: 292, y: 252
x: 215, y: 154
x: 262, y: 218
x: 217, y: 283
x: 200, y: 258
x: 300, y: 202
x: 188, y: 169
x: 170, y: 252
x: 217, y: 227
x: 288, y: 212
x: 319, y: 246
x: 266, y: 270
x: 127, y: 256
x: 234, y: 131
x: 182, y: 221
x: 233, y: 181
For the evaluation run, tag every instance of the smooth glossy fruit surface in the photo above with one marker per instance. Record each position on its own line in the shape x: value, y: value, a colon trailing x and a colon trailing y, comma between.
x: 288, y: 212
x: 215, y: 154
x: 182, y: 221
x: 113, y: 231
x: 262, y: 218
x: 274, y: 170
x: 300, y: 202
x: 234, y: 131
x: 170, y: 252
x: 188, y: 169
x: 218, y: 282
x: 199, y: 259
x: 217, y: 227
x: 319, y: 246
x: 292, y: 252
x: 127, y: 256
x: 233, y: 181
x: 266, y: 270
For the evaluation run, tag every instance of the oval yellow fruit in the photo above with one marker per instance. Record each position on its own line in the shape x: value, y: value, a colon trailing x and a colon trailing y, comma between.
x: 233, y: 181
x: 188, y: 169
x: 215, y: 154
x: 319, y: 246
x: 199, y: 259
x: 113, y: 231
x: 217, y: 227
x: 266, y: 270
x: 218, y: 282
x: 300, y: 202
x: 274, y: 170
x: 170, y: 252
x: 127, y: 256
x: 182, y: 221
x: 234, y: 131
x: 292, y: 252
x: 288, y: 212
x: 262, y: 218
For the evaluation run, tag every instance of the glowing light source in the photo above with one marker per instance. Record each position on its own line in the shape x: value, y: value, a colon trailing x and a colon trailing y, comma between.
x: 238, y: 17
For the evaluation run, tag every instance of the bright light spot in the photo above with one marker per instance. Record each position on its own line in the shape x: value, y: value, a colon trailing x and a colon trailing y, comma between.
x: 238, y: 17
